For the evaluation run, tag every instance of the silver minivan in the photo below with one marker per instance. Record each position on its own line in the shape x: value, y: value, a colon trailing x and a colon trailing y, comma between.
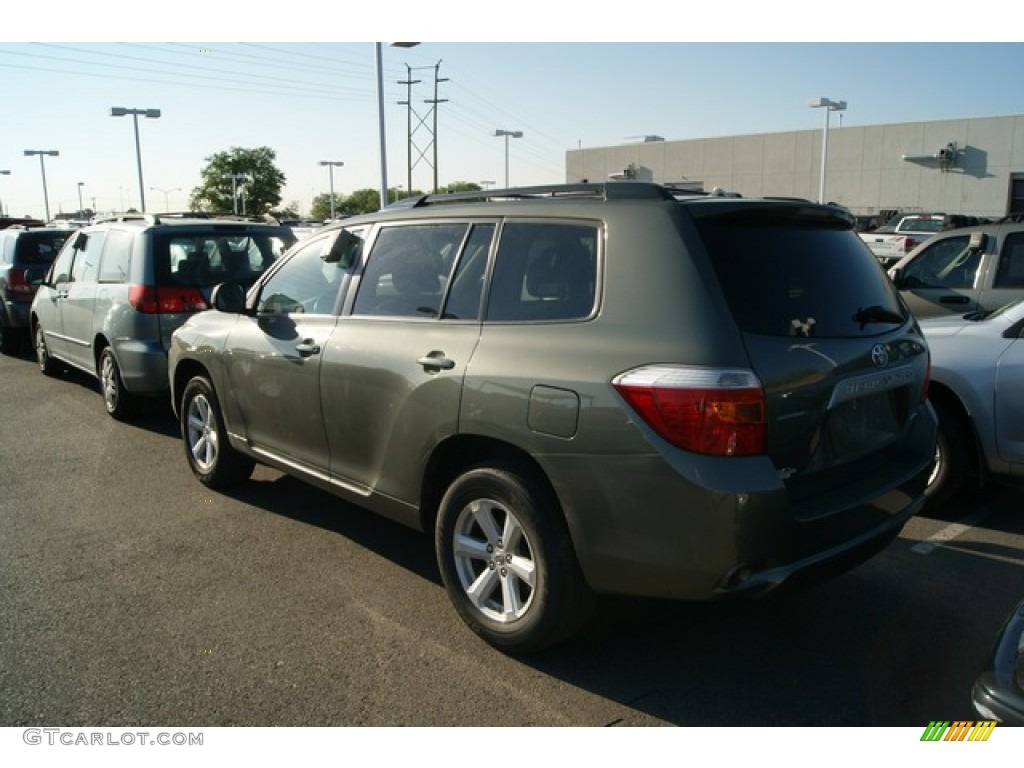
x: 121, y: 286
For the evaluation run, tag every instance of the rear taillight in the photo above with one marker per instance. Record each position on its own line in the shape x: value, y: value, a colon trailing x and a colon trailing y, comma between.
x: 16, y: 282
x: 151, y: 300
x: 910, y: 244
x: 705, y: 410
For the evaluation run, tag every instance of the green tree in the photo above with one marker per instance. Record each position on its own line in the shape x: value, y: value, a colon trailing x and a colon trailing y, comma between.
x: 460, y: 186
x: 257, y: 194
x: 321, y: 207
x: 360, y: 201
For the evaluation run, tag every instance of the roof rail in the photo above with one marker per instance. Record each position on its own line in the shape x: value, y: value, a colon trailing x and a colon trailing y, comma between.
x: 147, y: 217
x: 616, y: 190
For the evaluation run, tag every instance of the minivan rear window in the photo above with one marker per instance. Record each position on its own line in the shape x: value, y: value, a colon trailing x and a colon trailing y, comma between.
x: 784, y: 274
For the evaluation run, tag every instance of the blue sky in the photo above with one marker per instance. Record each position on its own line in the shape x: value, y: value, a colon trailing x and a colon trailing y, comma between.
x: 312, y: 100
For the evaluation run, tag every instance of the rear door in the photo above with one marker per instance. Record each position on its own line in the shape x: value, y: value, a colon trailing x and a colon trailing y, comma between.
x: 839, y: 358
x: 78, y: 299
x: 1006, y: 273
x: 393, y: 369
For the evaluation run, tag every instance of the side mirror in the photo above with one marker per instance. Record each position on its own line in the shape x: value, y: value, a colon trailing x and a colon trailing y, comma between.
x: 229, y: 297
x: 978, y: 241
x: 343, y: 251
x: 896, y: 275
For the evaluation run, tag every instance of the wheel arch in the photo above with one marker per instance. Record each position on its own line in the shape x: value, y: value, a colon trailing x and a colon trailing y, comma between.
x: 946, y: 399
x: 461, y: 452
x: 184, y: 372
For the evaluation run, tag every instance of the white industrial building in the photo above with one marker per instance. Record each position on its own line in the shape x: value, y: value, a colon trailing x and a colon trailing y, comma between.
x: 970, y: 165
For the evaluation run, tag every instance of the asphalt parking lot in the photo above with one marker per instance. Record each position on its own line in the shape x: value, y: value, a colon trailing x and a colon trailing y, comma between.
x: 131, y: 595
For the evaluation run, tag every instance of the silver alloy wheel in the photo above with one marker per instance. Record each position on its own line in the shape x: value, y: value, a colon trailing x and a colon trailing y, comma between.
x: 202, y: 436
x: 494, y: 561
x: 109, y: 383
x: 936, y: 466
x: 42, y: 354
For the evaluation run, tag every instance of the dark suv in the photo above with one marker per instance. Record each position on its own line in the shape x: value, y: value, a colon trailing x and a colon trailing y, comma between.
x: 578, y: 389
x: 120, y: 287
x: 26, y: 253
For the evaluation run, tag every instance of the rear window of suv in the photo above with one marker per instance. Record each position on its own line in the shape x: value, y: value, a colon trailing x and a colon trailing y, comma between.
x: 205, y: 259
x: 789, y: 273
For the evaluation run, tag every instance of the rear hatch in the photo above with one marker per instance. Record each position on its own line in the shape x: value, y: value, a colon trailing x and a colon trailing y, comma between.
x: 843, y: 365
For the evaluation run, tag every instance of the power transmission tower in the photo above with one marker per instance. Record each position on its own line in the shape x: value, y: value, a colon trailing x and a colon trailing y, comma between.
x: 425, y: 123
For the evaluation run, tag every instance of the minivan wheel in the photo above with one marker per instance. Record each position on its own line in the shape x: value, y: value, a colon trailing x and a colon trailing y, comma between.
x: 119, y: 403
x: 47, y: 364
x: 209, y: 453
x: 951, y: 456
x: 507, y: 562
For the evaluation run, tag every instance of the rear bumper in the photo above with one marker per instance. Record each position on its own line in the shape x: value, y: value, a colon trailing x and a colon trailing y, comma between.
x: 997, y: 692
x: 696, y: 527
x: 16, y: 313
x: 143, y: 366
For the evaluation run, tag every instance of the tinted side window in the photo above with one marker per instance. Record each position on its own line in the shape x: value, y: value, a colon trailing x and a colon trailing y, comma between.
x: 117, y: 256
x: 544, y: 271
x: 87, y: 257
x: 408, y: 270
x: 948, y: 263
x: 205, y: 259
x: 1011, y: 262
x: 785, y: 274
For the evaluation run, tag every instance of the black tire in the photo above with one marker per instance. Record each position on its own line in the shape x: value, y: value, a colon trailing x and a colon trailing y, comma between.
x: 119, y: 402
x: 488, y: 573
x: 952, y: 455
x: 10, y: 340
x: 207, y: 448
x: 47, y: 364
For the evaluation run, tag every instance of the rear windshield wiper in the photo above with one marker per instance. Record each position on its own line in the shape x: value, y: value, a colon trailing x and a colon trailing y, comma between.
x: 876, y: 314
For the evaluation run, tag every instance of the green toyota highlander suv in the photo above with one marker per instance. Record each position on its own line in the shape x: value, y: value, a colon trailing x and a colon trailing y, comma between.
x: 579, y: 389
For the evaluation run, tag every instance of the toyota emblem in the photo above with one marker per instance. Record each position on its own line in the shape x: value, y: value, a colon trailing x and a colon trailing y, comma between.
x: 880, y: 355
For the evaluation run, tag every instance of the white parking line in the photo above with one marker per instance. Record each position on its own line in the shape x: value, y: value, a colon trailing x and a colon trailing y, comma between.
x: 953, y: 531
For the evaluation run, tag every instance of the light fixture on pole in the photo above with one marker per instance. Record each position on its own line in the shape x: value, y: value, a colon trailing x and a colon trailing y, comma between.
x: 330, y: 172
x: 152, y: 113
x: 486, y: 184
x: 379, y: 67
x: 42, y: 169
x: 3, y: 173
x: 829, y: 106
x: 508, y: 135
x: 167, y: 204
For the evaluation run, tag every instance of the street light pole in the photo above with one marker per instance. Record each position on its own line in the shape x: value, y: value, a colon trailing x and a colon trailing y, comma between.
x: 508, y: 135
x: 829, y: 106
x: 81, y: 208
x: 235, y: 178
x: 330, y: 172
x: 378, y: 60
x: 3, y: 173
x: 153, y: 113
x: 167, y: 204
x: 42, y: 170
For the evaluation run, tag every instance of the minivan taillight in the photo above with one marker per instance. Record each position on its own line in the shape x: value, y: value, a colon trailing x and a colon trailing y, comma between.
x: 17, y: 282
x: 705, y: 410
x: 151, y: 300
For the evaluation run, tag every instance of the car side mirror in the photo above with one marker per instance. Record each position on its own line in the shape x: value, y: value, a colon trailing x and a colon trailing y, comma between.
x: 343, y: 251
x: 896, y: 275
x: 978, y: 241
x: 229, y: 298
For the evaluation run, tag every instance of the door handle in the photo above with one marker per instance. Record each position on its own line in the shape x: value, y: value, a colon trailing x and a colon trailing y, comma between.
x: 307, y: 347
x: 436, y: 361
x: 953, y: 299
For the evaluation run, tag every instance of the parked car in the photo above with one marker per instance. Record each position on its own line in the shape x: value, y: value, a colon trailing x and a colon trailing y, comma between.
x: 119, y: 288
x: 962, y: 271
x: 998, y: 692
x: 578, y: 389
x: 26, y: 253
x: 977, y: 381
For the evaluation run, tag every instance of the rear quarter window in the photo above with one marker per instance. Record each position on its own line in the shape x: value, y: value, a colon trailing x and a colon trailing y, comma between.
x: 787, y: 275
